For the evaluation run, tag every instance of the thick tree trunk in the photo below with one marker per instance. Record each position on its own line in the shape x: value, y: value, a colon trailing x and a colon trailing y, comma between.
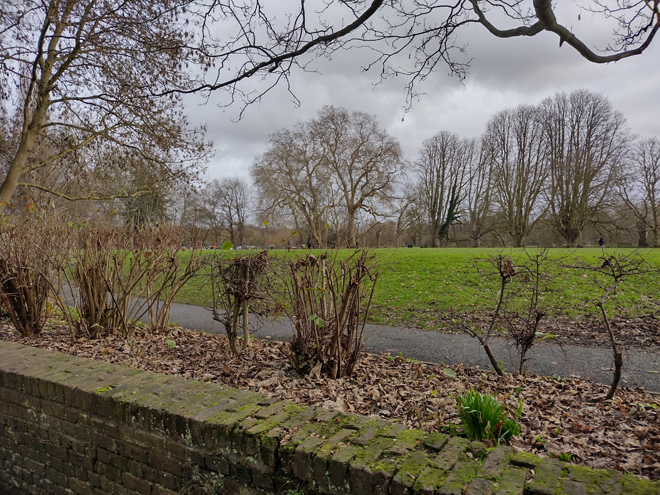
x: 350, y: 230
x: 17, y: 166
x: 28, y: 138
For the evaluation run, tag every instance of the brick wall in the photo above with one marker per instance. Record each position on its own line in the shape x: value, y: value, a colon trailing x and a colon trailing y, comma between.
x: 77, y: 426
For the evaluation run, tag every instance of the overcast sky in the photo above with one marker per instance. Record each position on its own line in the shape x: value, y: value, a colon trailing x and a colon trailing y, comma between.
x: 503, y: 74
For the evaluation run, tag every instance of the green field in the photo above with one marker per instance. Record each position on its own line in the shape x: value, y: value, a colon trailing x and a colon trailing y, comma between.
x: 421, y: 287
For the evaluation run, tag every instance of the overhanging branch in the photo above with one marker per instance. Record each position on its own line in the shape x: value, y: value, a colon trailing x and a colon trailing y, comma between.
x: 547, y: 21
x: 62, y: 195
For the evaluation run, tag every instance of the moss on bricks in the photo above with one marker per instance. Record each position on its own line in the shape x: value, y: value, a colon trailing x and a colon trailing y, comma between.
x: 430, y: 481
x: 458, y: 478
x: 407, y: 440
x: 324, y: 454
x: 371, y: 430
x: 479, y: 486
x: 496, y: 461
x: 262, y: 439
x: 606, y: 481
x: 478, y: 449
x: 370, y: 472
x: 546, y: 478
x: 524, y: 459
x: 337, y: 469
x: 409, y: 470
x: 637, y: 486
x: 512, y: 482
x: 232, y: 416
x: 451, y: 453
x: 302, y: 458
x: 272, y: 408
x: 299, y: 420
x: 436, y: 441
x: 288, y: 446
x: 244, y: 398
x: 393, y: 430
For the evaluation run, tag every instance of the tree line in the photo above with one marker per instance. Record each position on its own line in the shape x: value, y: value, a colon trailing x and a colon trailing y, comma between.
x: 567, y: 171
x: 91, y: 94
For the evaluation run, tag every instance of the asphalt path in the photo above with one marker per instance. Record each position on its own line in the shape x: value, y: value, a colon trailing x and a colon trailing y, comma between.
x: 641, y: 369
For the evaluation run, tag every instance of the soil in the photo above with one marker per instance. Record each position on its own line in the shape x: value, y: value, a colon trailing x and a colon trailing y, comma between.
x: 561, y: 417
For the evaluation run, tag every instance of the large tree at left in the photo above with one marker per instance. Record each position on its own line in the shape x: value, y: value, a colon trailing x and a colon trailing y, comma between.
x: 86, y: 79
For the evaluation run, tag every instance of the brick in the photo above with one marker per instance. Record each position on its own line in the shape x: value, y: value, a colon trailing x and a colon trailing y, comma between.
x: 451, y: 453
x: 159, y: 490
x: 459, y: 477
x: 574, y: 488
x: 164, y: 462
x: 430, y: 480
x: 546, y: 479
x: 410, y: 469
x: 479, y: 486
x: 302, y: 460
x: 436, y: 441
x: 79, y: 487
x: 130, y: 482
x: 513, y: 481
x: 319, y: 464
x: 337, y: 467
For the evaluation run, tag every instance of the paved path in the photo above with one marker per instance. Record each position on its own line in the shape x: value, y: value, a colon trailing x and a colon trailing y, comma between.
x: 640, y: 368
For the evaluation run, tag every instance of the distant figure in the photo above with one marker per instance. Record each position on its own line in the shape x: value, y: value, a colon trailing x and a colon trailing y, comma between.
x: 601, y: 242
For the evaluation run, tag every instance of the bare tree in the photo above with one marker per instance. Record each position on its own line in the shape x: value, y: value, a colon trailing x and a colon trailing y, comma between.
x: 442, y: 170
x: 225, y: 206
x: 80, y: 72
x: 362, y: 160
x: 640, y: 189
x: 337, y: 158
x: 478, y: 218
x: 292, y: 175
x: 520, y: 166
x: 587, y: 144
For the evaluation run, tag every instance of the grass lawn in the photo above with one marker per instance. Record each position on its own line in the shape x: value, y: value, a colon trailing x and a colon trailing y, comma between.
x: 418, y: 286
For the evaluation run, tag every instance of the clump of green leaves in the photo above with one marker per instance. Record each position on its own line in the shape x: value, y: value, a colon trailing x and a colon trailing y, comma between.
x: 483, y: 417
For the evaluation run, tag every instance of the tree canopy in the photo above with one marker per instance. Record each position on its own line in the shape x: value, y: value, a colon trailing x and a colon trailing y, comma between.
x: 81, y: 75
x: 80, y: 80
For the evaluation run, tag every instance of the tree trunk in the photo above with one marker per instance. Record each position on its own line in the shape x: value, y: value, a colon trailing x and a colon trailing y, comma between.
x: 246, y: 325
x: 491, y: 357
x: 236, y: 310
x: 16, y: 168
x: 618, y: 365
x: 642, y: 234
x: 350, y: 230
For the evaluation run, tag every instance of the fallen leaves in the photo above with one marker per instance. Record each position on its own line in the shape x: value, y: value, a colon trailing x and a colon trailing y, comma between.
x: 560, y: 416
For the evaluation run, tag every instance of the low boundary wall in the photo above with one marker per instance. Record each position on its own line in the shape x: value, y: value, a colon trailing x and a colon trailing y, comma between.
x: 70, y: 425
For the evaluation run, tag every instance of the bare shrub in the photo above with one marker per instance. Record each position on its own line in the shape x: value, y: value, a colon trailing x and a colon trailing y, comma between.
x: 24, y: 274
x: 608, y: 274
x: 169, y: 269
x: 114, y: 277
x: 238, y: 282
x: 522, y: 323
x: 328, y: 301
x: 516, y: 294
x: 504, y: 271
